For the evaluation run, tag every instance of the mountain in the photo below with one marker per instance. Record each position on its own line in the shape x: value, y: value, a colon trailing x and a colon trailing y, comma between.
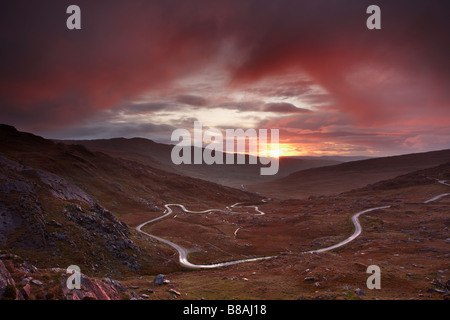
x: 347, y: 176
x: 335, y: 158
x: 20, y: 280
x: 159, y: 156
x: 64, y: 204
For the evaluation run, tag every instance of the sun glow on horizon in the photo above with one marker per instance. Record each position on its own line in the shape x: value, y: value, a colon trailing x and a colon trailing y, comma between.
x: 275, y: 153
x: 282, y: 150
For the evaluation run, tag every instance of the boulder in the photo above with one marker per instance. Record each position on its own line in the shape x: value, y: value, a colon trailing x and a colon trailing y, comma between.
x: 26, y: 291
x: 7, y: 284
x: 174, y: 292
x: 359, y: 292
x: 36, y: 282
x: 159, y: 280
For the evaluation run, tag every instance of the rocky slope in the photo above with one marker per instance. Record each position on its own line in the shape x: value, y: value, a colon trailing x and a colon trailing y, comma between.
x: 22, y: 281
x: 344, y: 177
x: 158, y: 155
x: 122, y: 186
x: 65, y: 205
x: 28, y: 223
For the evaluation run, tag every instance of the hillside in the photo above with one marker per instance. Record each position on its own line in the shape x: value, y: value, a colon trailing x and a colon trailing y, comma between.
x: 63, y: 205
x: 347, y: 176
x: 408, y: 241
x: 158, y: 155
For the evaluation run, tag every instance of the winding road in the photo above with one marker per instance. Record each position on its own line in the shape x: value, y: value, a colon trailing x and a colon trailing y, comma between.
x: 355, y: 234
x: 183, y: 253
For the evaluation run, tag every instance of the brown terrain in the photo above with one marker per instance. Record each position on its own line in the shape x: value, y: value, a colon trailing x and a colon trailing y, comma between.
x: 346, y: 176
x: 66, y: 204
x: 158, y: 155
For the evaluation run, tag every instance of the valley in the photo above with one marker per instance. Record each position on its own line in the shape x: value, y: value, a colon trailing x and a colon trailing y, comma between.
x: 123, y: 219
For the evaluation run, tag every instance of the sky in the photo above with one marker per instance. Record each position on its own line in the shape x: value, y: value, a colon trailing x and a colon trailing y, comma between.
x: 311, y: 69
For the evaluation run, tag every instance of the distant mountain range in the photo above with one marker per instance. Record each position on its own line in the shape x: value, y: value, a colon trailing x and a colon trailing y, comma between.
x: 334, y: 158
x: 158, y: 155
x: 76, y: 202
x: 56, y: 202
x: 347, y: 176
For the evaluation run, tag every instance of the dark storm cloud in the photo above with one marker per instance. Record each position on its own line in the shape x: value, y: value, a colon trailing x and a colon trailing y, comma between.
x: 126, y: 130
x: 284, y: 89
x: 308, y: 121
x: 242, y: 106
x: 283, y: 107
x: 377, y: 76
x: 192, y: 100
x: 146, y: 108
x: 260, y: 106
x: 398, y: 76
x: 123, y: 50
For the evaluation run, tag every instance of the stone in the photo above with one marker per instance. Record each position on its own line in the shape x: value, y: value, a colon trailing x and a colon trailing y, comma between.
x: 174, y: 292
x: 359, y: 292
x: 159, y: 280
x: 93, y: 289
x: 36, y: 282
x: 5, y: 279
x: 55, y: 224
x: 439, y: 291
x: 25, y: 281
x: 26, y: 291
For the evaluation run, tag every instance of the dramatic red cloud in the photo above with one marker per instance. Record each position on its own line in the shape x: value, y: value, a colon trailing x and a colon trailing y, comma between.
x: 122, y: 51
x: 383, y: 91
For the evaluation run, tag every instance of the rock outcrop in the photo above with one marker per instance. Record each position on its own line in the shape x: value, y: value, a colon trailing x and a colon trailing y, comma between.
x: 27, y: 223
x: 30, y: 283
x: 159, y: 280
x: 96, y: 289
x: 8, y: 288
x: 62, y: 189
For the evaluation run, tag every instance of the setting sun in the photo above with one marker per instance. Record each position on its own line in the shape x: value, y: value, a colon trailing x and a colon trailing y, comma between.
x: 282, y: 150
x: 276, y: 153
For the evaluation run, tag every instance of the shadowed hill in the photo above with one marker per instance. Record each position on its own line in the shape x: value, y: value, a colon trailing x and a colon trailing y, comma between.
x: 159, y: 156
x: 347, y: 176
x: 107, y: 178
x: 64, y: 204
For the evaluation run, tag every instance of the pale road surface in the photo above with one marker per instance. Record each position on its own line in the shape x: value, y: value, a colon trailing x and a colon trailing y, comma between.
x: 182, y: 252
x: 443, y: 182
